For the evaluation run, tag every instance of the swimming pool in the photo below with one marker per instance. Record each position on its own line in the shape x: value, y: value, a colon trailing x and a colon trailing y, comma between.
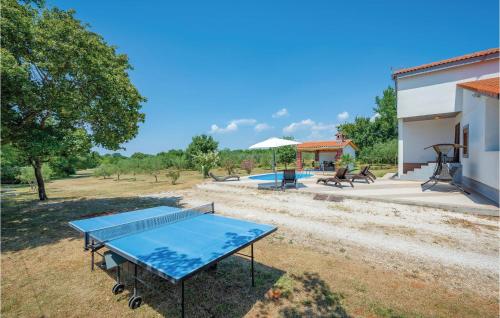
x: 270, y: 176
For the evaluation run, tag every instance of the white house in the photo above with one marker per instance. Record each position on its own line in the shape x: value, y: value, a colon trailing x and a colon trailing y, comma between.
x: 451, y: 101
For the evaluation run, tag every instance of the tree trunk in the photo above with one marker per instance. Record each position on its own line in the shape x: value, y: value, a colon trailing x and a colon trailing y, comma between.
x: 42, y: 195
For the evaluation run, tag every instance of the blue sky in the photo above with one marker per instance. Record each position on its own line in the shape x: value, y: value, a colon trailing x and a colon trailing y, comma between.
x: 244, y: 71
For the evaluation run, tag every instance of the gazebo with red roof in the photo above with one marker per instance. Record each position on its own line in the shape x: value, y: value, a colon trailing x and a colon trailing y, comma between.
x: 326, y: 153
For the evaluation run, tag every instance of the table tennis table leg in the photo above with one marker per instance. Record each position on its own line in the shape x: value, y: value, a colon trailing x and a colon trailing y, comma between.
x: 135, y: 279
x: 92, y: 257
x: 251, y: 253
x: 182, y: 299
x: 135, y: 300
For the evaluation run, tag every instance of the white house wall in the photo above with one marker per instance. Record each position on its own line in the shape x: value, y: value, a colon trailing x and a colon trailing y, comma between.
x: 492, y: 116
x: 424, y: 133
x: 481, y: 114
x: 436, y: 92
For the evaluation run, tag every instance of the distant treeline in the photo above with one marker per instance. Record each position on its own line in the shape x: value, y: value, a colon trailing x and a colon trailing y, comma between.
x: 202, y: 154
x: 173, y: 161
x: 12, y: 164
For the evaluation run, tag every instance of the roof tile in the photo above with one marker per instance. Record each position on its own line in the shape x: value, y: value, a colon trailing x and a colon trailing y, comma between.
x: 489, y: 86
x: 454, y: 59
x: 325, y: 144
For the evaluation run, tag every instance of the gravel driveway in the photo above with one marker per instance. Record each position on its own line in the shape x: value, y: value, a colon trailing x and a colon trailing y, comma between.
x: 457, y: 250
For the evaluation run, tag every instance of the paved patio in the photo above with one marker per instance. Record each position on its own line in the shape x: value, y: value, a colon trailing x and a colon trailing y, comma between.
x: 441, y: 196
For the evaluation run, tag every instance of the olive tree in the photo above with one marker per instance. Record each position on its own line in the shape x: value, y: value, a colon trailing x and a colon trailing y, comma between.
x: 153, y: 166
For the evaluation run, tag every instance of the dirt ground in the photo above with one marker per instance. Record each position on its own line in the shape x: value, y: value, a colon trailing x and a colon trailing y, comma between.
x: 328, y: 259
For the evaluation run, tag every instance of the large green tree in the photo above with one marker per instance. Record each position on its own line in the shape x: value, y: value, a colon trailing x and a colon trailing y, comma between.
x: 200, y: 144
x: 383, y: 126
x: 386, y: 121
x: 64, y: 89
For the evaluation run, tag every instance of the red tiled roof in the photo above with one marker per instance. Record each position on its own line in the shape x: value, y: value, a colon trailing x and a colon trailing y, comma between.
x: 326, y: 144
x: 489, y: 86
x: 455, y: 59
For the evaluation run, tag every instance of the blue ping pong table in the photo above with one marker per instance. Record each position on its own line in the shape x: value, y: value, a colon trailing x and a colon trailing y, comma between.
x: 172, y: 243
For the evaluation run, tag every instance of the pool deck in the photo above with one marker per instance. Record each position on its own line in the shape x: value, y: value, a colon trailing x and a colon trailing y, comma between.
x: 441, y: 196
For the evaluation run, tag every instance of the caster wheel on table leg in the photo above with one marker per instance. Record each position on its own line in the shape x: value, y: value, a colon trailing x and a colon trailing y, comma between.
x: 134, y: 302
x: 118, y: 288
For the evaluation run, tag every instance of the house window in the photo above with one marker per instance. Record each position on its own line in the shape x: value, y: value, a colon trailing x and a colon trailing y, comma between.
x: 465, y: 138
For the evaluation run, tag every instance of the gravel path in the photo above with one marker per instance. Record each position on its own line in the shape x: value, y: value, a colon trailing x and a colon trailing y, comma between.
x: 434, y: 243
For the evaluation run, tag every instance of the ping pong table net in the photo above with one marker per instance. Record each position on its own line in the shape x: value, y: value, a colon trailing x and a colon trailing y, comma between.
x: 117, y: 231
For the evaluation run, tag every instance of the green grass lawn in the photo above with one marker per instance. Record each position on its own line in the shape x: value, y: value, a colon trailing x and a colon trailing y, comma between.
x: 379, y: 170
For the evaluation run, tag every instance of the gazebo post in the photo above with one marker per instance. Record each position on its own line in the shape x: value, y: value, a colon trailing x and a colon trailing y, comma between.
x: 299, y: 160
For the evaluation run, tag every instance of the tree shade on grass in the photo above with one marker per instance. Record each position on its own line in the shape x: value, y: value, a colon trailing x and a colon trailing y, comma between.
x: 64, y: 89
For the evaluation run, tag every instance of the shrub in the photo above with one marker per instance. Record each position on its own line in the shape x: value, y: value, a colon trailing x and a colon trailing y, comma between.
x: 248, y: 165
x: 11, y: 163
x: 266, y: 160
x: 229, y: 164
x: 10, y: 173
x: 346, y: 160
x: 384, y: 152
x: 206, y: 161
x: 122, y: 166
x: 179, y: 162
x: 174, y: 175
x: 153, y: 166
x: 104, y: 171
x: 27, y: 175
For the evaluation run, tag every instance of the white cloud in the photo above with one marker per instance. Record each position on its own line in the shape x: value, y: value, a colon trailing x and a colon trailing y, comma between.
x: 316, y: 130
x: 214, y: 129
x: 261, y: 127
x: 232, y: 126
x: 343, y: 116
x: 243, y: 121
x: 281, y: 113
x: 293, y: 127
x: 375, y: 116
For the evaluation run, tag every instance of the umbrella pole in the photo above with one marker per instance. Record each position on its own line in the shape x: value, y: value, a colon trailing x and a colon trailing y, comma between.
x: 274, y: 168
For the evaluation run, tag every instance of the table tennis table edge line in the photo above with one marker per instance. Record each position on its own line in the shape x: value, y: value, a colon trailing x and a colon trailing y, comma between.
x: 232, y: 252
x: 149, y: 218
x: 177, y: 281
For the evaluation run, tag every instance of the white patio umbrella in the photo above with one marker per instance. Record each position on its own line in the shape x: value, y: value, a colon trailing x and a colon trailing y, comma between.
x: 274, y: 143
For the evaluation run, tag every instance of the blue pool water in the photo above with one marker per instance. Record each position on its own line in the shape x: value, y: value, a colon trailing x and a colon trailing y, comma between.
x: 270, y: 176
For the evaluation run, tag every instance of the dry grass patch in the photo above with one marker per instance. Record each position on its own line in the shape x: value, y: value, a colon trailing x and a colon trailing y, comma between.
x: 471, y: 225
x: 46, y: 273
x: 340, y: 207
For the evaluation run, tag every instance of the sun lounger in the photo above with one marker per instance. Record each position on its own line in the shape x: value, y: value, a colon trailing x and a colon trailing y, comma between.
x: 225, y: 178
x: 340, y: 176
x: 289, y: 177
x: 363, y: 175
x: 370, y: 174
